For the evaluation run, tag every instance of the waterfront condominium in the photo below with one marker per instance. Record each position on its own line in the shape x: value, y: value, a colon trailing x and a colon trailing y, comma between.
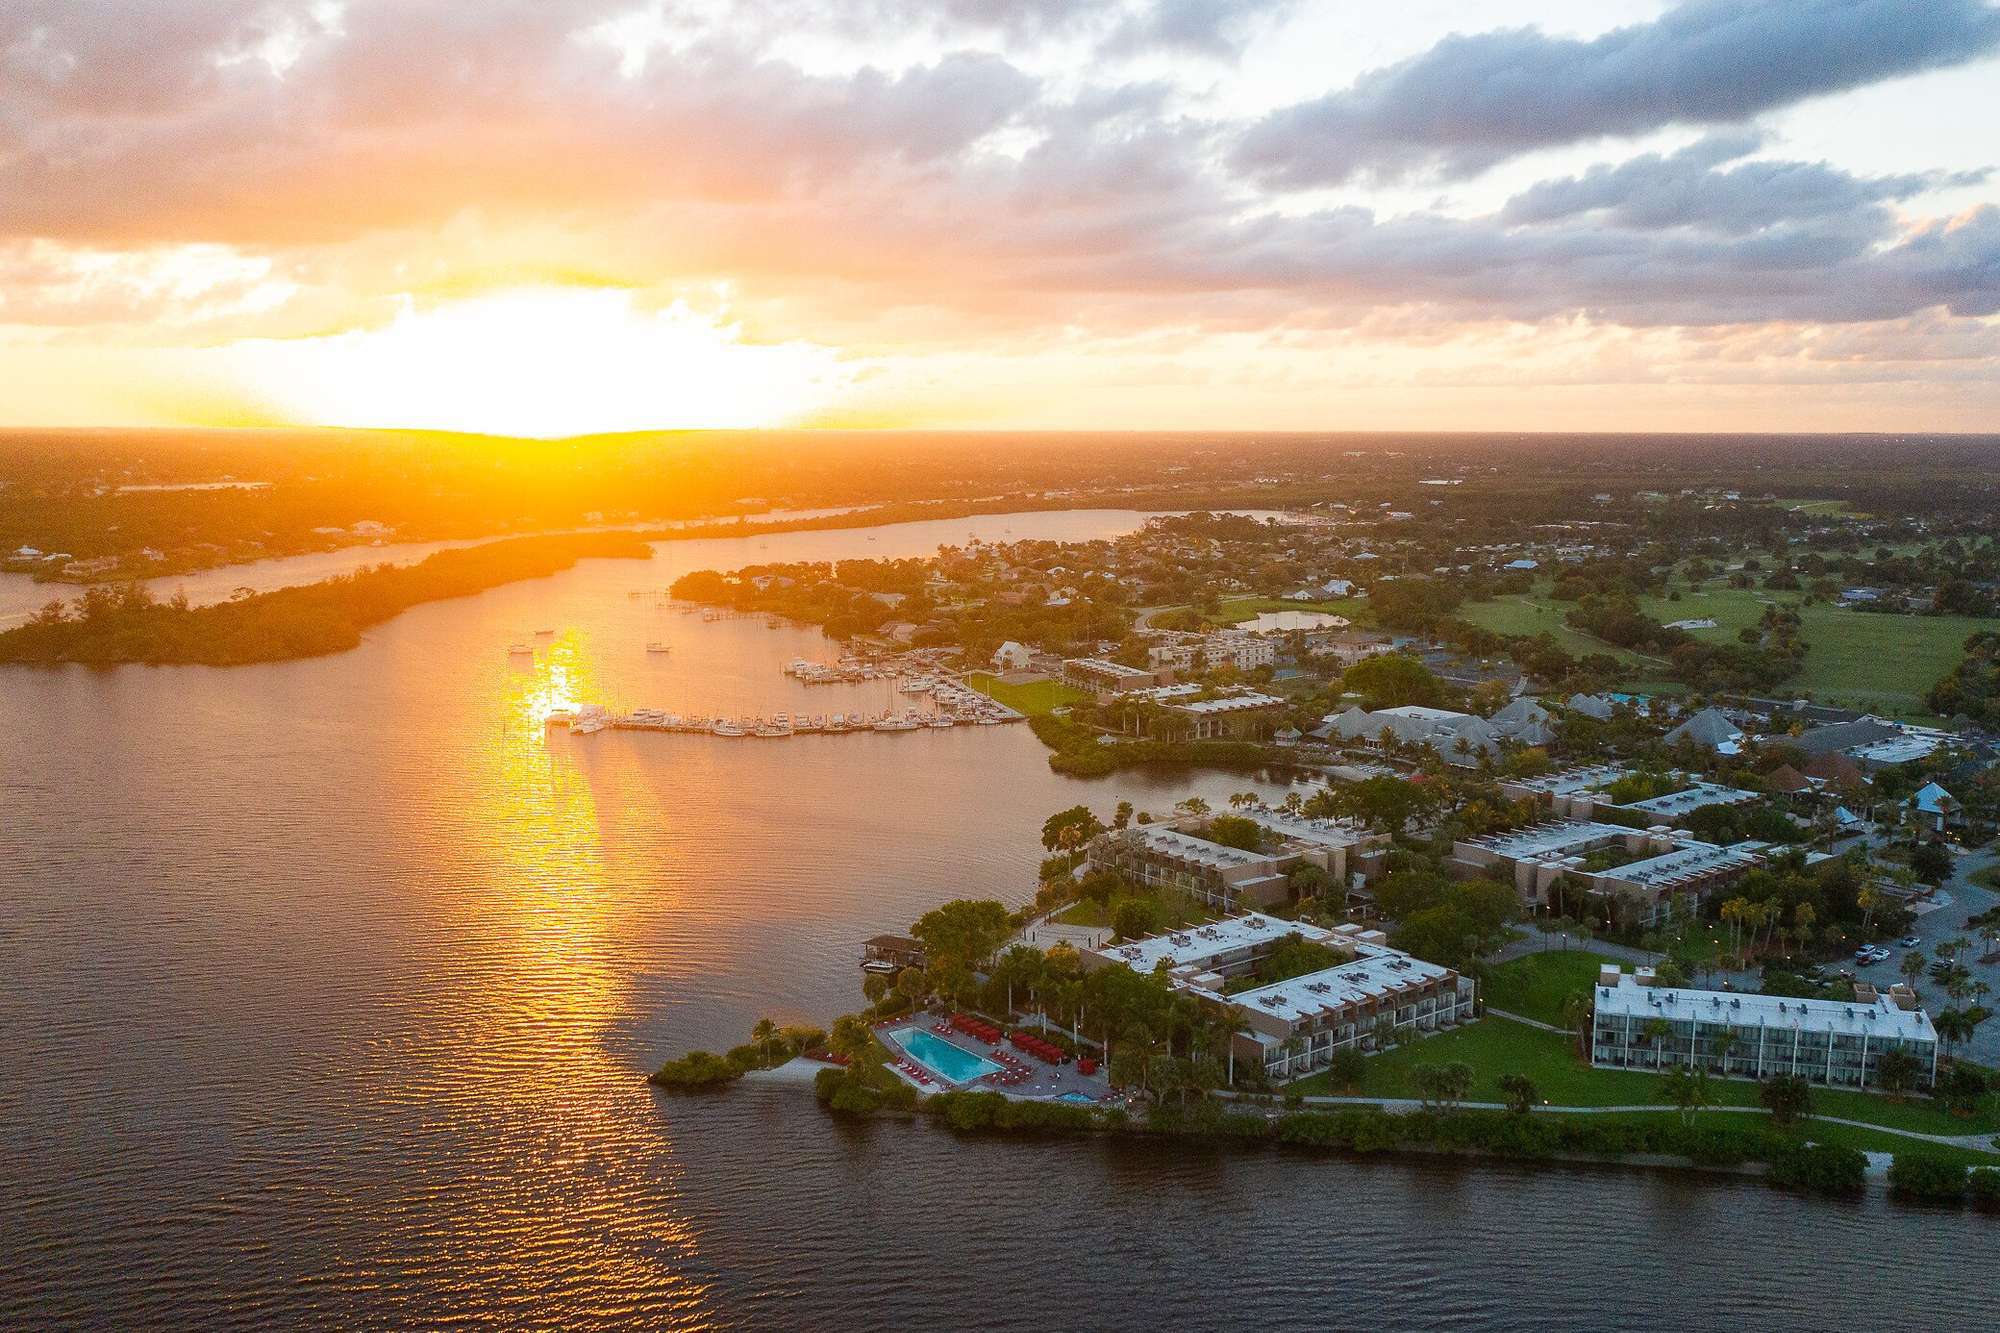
x: 1292, y: 1027
x: 1840, y: 1043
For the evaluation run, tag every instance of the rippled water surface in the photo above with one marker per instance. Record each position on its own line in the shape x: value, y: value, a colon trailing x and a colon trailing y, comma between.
x: 329, y: 988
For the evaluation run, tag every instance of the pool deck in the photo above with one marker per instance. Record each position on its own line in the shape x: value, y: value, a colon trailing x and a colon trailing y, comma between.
x: 1045, y: 1082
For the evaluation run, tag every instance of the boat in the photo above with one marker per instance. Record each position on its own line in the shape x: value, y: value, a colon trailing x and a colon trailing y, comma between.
x: 803, y: 723
x: 658, y: 647
x: 722, y: 726
x: 781, y: 725
x: 544, y: 633
x: 890, y: 722
x: 520, y: 650
x: 940, y: 720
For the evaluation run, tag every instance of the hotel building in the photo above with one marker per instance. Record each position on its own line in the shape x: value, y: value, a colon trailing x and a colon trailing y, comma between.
x: 1293, y: 1028
x: 1643, y: 876
x: 1839, y: 1043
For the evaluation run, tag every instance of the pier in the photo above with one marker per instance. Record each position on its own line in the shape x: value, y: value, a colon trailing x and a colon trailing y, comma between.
x: 951, y: 704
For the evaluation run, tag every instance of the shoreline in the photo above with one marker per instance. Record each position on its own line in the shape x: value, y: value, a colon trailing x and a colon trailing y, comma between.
x: 1874, y: 1175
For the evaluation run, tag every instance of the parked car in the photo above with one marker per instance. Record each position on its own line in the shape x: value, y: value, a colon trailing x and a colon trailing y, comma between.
x: 1910, y: 941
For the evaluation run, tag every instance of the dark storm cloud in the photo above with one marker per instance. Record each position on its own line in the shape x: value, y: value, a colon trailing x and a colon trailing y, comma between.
x: 1471, y: 101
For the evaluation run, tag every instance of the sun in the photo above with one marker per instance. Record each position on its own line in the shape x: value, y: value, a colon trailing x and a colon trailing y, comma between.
x: 542, y: 362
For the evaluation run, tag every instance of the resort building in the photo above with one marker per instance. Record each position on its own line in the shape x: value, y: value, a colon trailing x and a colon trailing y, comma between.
x: 1293, y: 1027
x: 1179, y: 650
x: 1103, y: 676
x: 1581, y: 793
x: 1228, y: 878
x: 1643, y: 876
x: 1244, y: 715
x: 1840, y: 1043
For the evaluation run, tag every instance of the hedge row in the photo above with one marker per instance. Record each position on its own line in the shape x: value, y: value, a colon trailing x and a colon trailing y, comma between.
x: 1919, y: 1175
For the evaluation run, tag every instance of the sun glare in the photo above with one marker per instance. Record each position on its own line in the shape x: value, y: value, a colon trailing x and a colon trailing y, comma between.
x: 545, y: 362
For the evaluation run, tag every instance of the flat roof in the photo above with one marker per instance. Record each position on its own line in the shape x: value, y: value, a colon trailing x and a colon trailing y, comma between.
x: 1200, y: 944
x: 1694, y: 797
x: 1163, y: 838
x: 1552, y: 837
x: 1108, y: 667
x: 1318, y: 832
x: 1628, y: 999
x: 1687, y: 861
x: 1572, y: 780
x: 1231, y: 704
x: 1377, y: 972
x: 1420, y: 712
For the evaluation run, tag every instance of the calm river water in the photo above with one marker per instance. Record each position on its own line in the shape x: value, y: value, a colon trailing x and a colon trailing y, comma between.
x: 329, y: 988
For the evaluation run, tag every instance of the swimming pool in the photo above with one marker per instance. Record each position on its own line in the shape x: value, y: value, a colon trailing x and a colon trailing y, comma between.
x: 942, y: 1058
x: 1083, y: 1097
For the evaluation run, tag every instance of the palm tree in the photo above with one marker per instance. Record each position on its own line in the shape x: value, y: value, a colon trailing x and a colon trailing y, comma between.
x: 1656, y: 1031
x: 762, y: 1034
x: 1725, y: 1045
x: 1912, y: 967
x: 1576, y: 1014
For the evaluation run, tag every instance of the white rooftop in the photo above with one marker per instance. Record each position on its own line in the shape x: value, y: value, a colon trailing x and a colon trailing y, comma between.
x: 1420, y: 713
x: 1689, y: 859
x: 1200, y: 944
x: 1377, y: 972
x: 1185, y: 845
x: 1317, y: 832
x: 1554, y: 837
x: 1691, y: 798
x: 1842, y: 1017
x: 1230, y: 704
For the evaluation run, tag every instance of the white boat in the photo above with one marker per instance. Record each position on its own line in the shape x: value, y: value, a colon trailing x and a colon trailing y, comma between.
x: 781, y: 725
x: 722, y: 726
x: 520, y: 650
x: 892, y: 723
x: 940, y: 720
x: 544, y: 633
x: 657, y: 647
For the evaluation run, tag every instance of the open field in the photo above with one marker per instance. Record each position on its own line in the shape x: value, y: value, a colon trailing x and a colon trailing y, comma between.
x: 1236, y: 610
x: 1494, y: 1047
x: 1535, y: 613
x: 1856, y: 659
x: 1033, y: 698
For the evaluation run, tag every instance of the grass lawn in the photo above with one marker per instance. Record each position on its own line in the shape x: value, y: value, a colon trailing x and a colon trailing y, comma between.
x: 1495, y: 1047
x: 1034, y: 698
x: 1176, y: 910
x: 1535, y: 986
x: 1521, y: 613
x: 1857, y: 659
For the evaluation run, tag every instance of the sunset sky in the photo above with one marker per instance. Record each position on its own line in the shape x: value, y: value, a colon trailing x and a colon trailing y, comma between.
x: 554, y: 216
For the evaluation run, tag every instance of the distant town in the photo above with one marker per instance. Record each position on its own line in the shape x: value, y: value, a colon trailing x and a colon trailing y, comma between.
x: 1600, y: 821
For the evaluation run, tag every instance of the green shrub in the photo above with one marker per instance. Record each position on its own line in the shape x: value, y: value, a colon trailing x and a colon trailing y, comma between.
x: 1922, y: 1176
x: 697, y: 1071
x: 1984, y: 1187
x: 1823, y: 1168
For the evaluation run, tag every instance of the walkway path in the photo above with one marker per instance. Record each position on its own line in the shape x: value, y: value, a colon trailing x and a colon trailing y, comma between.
x: 1529, y: 1022
x: 1404, y: 1106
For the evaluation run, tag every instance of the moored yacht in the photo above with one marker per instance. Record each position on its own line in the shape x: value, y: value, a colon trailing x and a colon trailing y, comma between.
x: 724, y: 727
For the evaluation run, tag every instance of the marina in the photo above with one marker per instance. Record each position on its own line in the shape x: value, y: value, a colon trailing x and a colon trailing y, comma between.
x: 951, y: 704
